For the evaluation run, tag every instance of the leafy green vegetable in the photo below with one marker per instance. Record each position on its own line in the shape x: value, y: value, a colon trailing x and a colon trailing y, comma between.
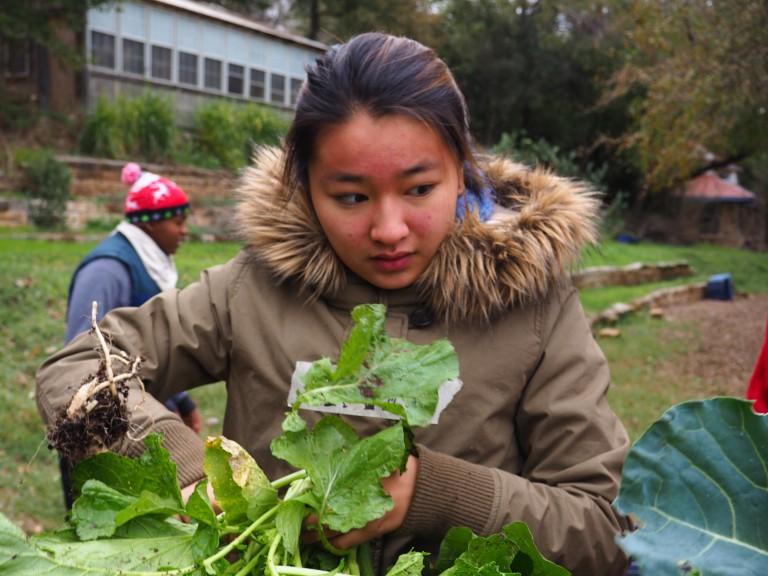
x: 120, y: 489
x: 697, y: 481
x: 62, y: 554
x: 123, y: 522
x: 153, y: 471
x: 289, y: 524
x: 346, y: 488
x: 373, y: 369
x: 242, y: 489
x: 410, y: 564
x: 512, y: 551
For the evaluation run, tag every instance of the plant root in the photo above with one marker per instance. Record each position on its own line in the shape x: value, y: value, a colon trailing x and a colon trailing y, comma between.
x: 97, y: 416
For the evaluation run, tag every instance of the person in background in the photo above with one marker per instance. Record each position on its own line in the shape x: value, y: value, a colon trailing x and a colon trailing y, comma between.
x: 758, y: 383
x: 130, y: 266
x: 378, y: 196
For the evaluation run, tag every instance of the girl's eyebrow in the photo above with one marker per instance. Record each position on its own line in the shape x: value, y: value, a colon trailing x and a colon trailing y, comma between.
x: 352, y: 178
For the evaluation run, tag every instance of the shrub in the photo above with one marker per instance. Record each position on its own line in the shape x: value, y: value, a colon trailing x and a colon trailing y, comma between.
x: 153, y: 126
x: 541, y: 153
x: 142, y: 128
x: 103, y: 131
x: 217, y: 133
x: 228, y: 131
x: 46, y: 184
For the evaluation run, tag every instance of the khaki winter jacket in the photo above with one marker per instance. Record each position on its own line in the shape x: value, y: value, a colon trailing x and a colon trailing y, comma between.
x: 529, y: 437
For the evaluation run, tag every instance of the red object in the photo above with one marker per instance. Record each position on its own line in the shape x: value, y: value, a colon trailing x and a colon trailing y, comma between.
x: 758, y: 384
x: 151, y: 195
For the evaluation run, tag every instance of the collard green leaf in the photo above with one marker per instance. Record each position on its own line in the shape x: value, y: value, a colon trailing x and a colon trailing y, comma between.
x: 345, y: 470
x: 100, y: 509
x: 204, y: 542
x: 293, y: 422
x: 454, y: 544
x: 697, y: 481
x: 94, y: 513
x: 410, y: 564
x: 242, y: 488
x: 153, y: 471
x: 148, y: 504
x: 373, y: 369
x: 490, y: 555
x: 63, y: 555
x: 529, y: 560
x: 512, y: 551
x: 289, y: 521
x: 199, y: 507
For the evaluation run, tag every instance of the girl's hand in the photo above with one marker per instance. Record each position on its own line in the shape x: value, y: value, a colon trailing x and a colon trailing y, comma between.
x: 400, y: 487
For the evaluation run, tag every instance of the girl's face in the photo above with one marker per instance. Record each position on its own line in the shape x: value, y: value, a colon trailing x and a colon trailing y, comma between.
x: 385, y: 191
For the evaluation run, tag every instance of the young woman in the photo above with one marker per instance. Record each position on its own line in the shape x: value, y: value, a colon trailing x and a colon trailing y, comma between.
x: 377, y: 197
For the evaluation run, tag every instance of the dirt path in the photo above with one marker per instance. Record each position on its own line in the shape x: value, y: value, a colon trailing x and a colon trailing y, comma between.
x: 728, y: 337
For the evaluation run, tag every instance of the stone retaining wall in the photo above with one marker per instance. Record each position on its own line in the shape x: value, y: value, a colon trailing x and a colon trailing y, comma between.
x: 98, y: 194
x: 100, y: 178
x: 659, y: 298
x: 631, y: 275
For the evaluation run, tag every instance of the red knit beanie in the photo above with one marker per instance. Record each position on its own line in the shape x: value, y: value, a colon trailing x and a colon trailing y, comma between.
x: 151, y: 197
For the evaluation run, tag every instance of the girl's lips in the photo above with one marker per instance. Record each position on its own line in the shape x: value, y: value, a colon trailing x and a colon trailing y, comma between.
x: 392, y: 263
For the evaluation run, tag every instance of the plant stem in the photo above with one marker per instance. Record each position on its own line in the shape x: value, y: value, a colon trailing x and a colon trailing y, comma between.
x: 245, y: 570
x: 285, y: 480
x: 295, y: 571
x: 352, y: 562
x: 326, y: 543
x: 208, y: 562
x: 271, y: 555
x: 364, y: 559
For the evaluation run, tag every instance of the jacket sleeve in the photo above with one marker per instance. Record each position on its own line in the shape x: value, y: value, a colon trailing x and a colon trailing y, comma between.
x: 573, y: 445
x: 183, y: 338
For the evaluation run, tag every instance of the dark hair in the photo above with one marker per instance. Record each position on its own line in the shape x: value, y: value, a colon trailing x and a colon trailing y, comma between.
x: 380, y: 75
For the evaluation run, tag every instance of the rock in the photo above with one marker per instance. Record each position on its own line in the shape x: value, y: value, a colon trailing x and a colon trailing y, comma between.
x: 609, y: 333
x: 656, y: 312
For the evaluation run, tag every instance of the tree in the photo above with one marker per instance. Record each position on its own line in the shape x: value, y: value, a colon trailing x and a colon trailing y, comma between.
x: 699, y: 73
x: 537, y: 69
x: 337, y: 20
x: 39, y: 21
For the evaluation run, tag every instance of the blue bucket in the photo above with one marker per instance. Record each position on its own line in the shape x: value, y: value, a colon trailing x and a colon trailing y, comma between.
x: 719, y: 287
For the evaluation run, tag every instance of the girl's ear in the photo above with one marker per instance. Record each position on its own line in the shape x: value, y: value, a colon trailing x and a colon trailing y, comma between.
x: 462, y: 186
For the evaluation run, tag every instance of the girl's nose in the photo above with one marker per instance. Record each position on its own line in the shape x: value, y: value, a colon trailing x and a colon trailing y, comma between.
x: 389, y: 226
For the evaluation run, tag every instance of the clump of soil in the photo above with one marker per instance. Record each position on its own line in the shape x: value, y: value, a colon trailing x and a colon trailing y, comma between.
x: 97, y: 415
x: 90, y: 432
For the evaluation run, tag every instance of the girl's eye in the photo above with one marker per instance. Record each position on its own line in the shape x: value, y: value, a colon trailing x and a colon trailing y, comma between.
x: 422, y: 190
x: 351, y: 199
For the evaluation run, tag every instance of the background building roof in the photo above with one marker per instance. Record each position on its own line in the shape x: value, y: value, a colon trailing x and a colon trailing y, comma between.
x: 709, y: 187
x: 224, y: 15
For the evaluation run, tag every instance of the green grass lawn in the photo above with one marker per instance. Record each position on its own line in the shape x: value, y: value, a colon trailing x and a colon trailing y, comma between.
x: 34, y: 279
x: 748, y: 269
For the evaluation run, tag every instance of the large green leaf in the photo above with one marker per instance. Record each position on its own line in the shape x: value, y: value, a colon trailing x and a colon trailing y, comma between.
x: 153, y: 471
x: 697, y: 481
x: 409, y: 564
x: 242, y: 488
x: 375, y: 370
x: 346, y: 471
x: 159, y: 546
x: 510, y: 552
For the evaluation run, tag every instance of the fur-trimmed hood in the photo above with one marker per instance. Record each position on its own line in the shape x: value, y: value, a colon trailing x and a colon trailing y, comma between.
x: 482, y: 269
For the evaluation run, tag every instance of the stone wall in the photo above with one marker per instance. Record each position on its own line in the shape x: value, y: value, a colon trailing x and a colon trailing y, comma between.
x: 98, y: 194
x: 631, y: 275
